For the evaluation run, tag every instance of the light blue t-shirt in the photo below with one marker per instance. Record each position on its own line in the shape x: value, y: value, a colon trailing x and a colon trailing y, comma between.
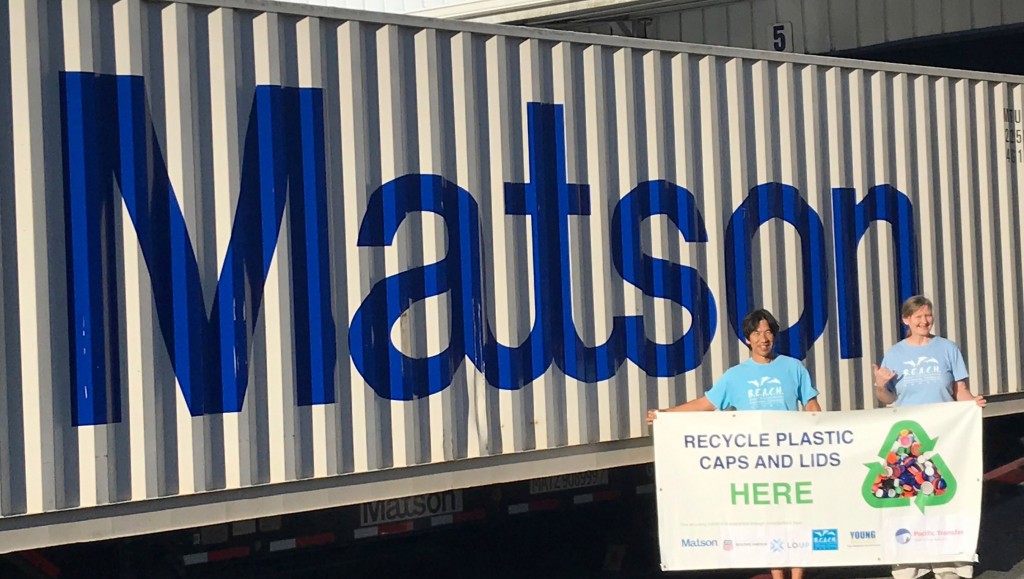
x: 777, y: 385
x: 924, y: 374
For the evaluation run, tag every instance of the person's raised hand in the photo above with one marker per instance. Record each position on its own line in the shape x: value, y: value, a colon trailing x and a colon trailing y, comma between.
x: 651, y: 415
x: 882, y: 375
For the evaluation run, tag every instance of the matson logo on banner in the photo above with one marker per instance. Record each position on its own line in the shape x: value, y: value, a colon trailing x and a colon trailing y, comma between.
x: 778, y: 489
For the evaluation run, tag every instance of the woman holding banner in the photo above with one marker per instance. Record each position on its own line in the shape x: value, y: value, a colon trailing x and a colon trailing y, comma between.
x: 794, y: 388
x: 923, y: 369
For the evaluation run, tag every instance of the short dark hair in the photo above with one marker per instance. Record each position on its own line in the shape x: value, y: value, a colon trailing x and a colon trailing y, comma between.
x: 752, y: 320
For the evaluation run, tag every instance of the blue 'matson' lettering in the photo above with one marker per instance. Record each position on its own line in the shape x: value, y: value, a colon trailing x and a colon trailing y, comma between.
x: 110, y: 146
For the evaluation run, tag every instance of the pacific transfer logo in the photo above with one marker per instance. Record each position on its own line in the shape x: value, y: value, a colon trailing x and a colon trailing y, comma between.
x: 903, y: 536
x: 910, y: 473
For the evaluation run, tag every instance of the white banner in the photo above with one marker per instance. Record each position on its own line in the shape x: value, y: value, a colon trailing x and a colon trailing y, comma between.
x: 782, y: 489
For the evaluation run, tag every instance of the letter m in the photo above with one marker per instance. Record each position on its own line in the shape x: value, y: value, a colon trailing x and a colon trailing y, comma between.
x: 110, y: 145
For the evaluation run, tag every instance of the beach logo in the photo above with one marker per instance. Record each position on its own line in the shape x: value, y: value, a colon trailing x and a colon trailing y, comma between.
x: 825, y: 539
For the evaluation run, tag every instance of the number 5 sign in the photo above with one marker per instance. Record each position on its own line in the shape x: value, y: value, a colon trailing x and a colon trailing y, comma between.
x: 781, y: 34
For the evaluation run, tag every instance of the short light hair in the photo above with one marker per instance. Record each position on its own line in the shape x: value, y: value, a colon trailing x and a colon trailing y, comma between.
x: 913, y: 304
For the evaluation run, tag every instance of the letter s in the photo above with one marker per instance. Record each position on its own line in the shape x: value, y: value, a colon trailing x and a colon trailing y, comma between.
x: 663, y: 279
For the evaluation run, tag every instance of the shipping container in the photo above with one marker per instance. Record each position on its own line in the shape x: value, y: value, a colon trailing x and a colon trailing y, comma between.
x: 261, y: 258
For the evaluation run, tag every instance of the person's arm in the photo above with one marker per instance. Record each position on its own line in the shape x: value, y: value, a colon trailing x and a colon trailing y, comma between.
x: 962, y: 393
x: 883, y: 376
x: 808, y: 394
x: 701, y: 404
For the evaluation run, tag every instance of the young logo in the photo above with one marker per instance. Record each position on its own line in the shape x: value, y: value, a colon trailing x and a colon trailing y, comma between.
x: 863, y: 538
x: 825, y: 539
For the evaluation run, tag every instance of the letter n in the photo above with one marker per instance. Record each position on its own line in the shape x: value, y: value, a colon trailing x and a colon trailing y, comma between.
x: 882, y: 203
x: 109, y: 141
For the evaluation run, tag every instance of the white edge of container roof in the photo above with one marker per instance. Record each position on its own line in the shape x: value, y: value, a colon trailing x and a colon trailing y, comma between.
x: 553, y: 35
x: 498, y: 11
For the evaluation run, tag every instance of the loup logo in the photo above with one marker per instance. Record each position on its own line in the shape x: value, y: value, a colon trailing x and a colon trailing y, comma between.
x: 111, y: 149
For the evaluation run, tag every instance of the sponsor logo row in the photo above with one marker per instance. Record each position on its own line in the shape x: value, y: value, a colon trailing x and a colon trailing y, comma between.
x: 823, y: 540
x: 819, y: 540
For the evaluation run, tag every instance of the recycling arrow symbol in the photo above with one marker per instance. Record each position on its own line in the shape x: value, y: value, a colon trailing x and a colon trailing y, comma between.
x: 909, y: 471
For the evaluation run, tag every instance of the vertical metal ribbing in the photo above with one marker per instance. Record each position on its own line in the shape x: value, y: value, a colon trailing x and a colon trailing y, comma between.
x: 682, y: 167
x: 987, y: 372
x: 181, y: 162
x: 793, y: 304
x: 435, y: 427
x: 454, y: 104
x: 733, y: 191
x: 861, y: 178
x: 367, y: 452
x: 11, y: 453
x: 1008, y: 97
x: 93, y: 480
x: 142, y: 336
x: 520, y: 248
x: 323, y: 435
x: 277, y: 315
x: 238, y: 471
x: 42, y: 477
x: 497, y: 247
x: 836, y: 133
x: 923, y: 169
x: 812, y: 148
x: 532, y: 401
x: 968, y: 224
x: 664, y: 315
x: 588, y: 308
x: 625, y: 401
x: 768, y: 259
x: 468, y: 157
x: 949, y: 260
x: 878, y: 290
x: 590, y: 399
x: 716, y: 204
x: 393, y: 125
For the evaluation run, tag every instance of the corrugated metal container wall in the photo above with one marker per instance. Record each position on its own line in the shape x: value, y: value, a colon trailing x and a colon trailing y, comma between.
x: 244, y: 247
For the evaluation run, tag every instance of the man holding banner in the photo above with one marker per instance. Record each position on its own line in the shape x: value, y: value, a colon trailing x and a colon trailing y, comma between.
x: 767, y: 381
x: 923, y: 369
